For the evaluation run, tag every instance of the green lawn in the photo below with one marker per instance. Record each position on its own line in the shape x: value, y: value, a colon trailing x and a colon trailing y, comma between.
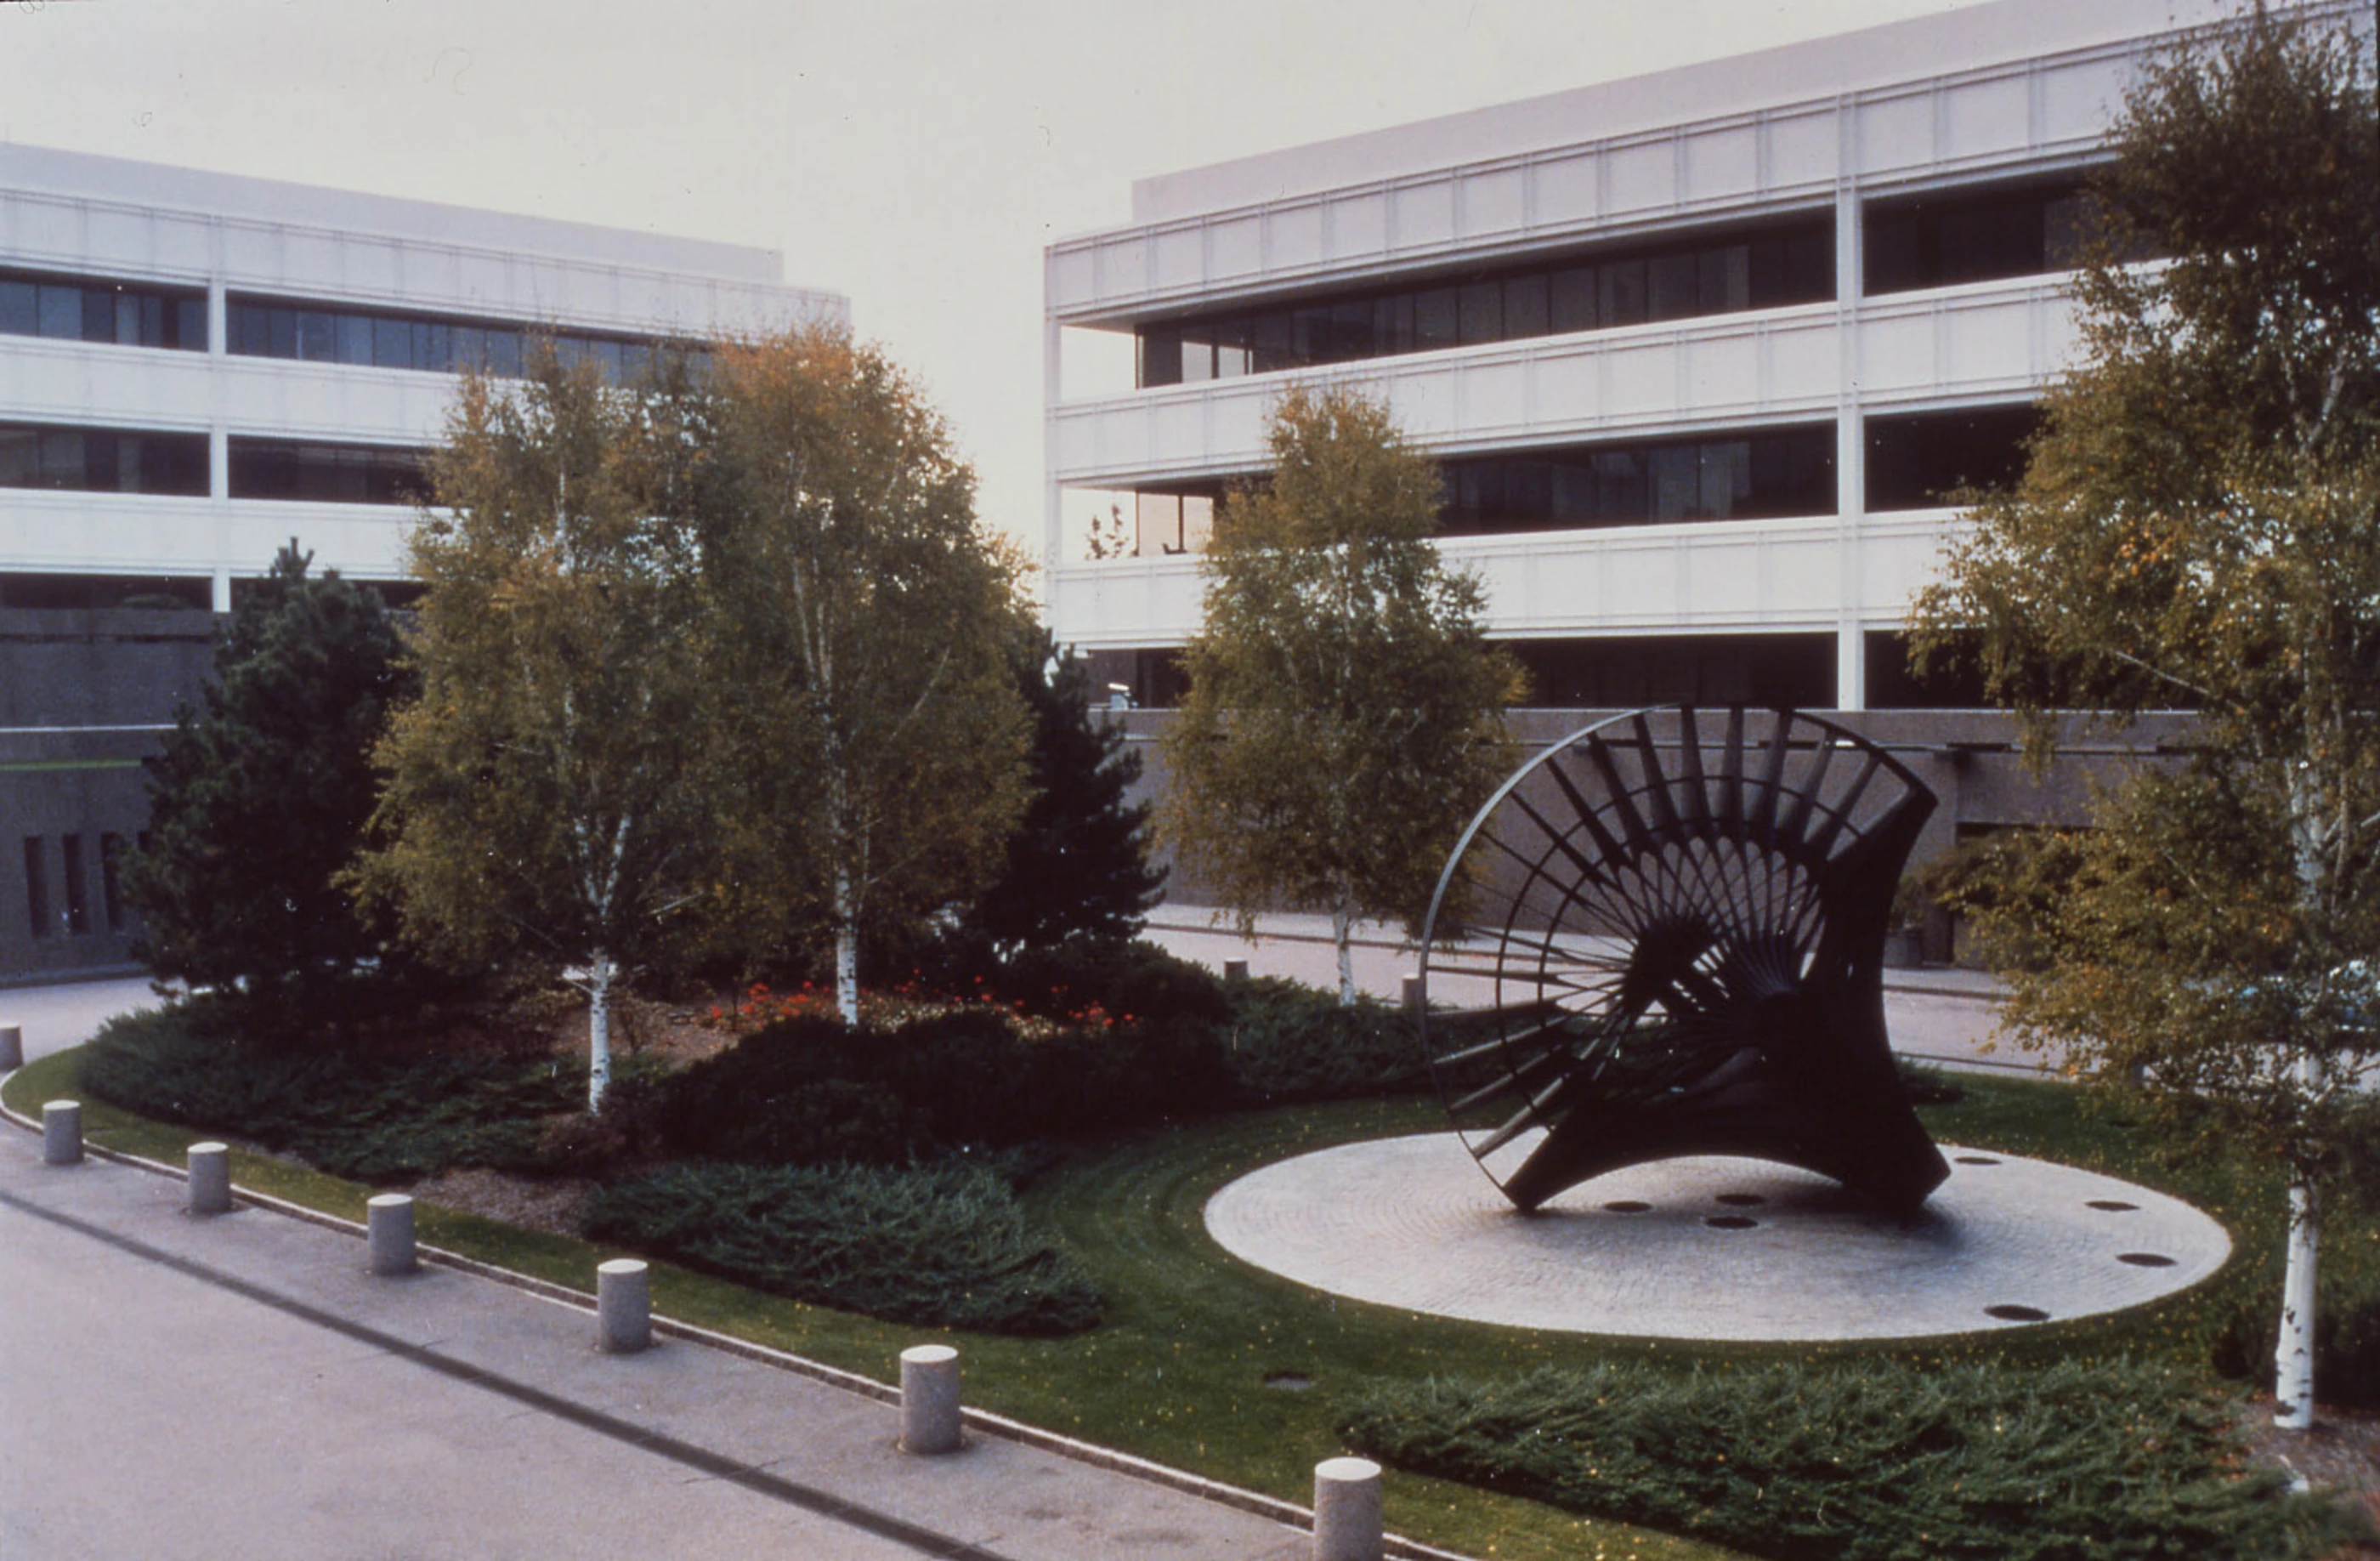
x: 1178, y: 1374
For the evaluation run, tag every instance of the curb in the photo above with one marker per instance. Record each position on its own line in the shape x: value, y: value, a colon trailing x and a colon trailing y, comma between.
x: 1255, y: 1501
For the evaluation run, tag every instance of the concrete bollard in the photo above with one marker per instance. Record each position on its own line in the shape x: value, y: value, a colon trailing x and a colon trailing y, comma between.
x: 12, y: 1047
x: 1410, y: 994
x: 1346, y: 1510
x: 210, y: 1179
x: 1235, y: 970
x: 62, y: 1133
x: 623, y: 1315
x: 930, y: 1399
x: 389, y: 1224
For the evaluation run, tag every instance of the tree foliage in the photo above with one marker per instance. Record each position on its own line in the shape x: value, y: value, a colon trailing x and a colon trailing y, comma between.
x: 865, y: 696
x: 2198, y: 526
x: 541, y: 795
x: 260, y: 797
x: 1077, y: 864
x: 1342, y: 720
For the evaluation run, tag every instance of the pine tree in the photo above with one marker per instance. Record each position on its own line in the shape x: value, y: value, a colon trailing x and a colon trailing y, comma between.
x: 1077, y: 863
x: 259, y: 800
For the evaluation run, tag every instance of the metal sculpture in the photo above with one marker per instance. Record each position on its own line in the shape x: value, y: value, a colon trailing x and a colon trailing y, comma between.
x: 1676, y: 918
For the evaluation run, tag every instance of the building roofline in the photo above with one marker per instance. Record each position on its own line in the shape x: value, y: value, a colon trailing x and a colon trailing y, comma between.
x: 204, y: 193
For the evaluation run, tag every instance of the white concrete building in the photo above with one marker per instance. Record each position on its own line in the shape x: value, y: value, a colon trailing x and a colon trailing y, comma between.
x: 194, y: 369
x: 1702, y: 350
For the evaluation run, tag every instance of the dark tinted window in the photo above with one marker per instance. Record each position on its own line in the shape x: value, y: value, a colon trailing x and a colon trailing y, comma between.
x: 1917, y: 462
x: 275, y: 469
x: 1619, y: 674
x: 1762, y: 475
x: 120, y: 313
x: 1976, y: 235
x: 104, y: 460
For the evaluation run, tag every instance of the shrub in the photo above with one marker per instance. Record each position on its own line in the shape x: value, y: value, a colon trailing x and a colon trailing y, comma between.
x: 808, y: 1091
x: 1129, y: 979
x: 946, y: 1245
x: 1870, y: 1461
x: 1291, y: 1042
x: 352, y: 1113
x: 2345, y: 1343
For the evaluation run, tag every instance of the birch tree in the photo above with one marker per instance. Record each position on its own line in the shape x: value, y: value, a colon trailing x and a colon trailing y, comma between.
x: 864, y: 689
x: 540, y: 798
x: 2198, y: 526
x: 1344, y: 714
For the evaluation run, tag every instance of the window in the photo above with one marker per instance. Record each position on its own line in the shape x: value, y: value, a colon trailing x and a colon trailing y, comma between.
x: 111, y: 880
x: 1785, y: 670
x: 78, y: 892
x: 1944, y: 238
x: 1777, y: 265
x: 1765, y: 474
x: 1918, y: 461
x: 320, y: 334
x: 37, y: 888
x: 120, y: 313
x: 273, y: 468
x: 104, y: 460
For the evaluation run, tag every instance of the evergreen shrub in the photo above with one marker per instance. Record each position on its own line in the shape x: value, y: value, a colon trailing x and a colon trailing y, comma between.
x: 945, y: 1245
x: 1867, y: 1461
x: 1290, y: 1041
x: 353, y: 1113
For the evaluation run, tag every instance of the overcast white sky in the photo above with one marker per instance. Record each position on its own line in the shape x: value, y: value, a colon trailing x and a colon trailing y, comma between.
x: 916, y: 156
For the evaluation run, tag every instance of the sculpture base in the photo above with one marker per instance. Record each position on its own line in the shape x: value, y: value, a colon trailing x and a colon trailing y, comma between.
x: 1713, y: 1248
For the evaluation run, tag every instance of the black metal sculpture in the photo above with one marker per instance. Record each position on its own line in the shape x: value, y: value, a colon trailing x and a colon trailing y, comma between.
x: 1676, y: 918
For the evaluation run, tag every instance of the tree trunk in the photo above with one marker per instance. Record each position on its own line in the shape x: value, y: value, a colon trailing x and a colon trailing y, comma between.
x: 1342, y: 928
x: 2293, y: 1358
x: 600, y: 972
x: 846, y: 949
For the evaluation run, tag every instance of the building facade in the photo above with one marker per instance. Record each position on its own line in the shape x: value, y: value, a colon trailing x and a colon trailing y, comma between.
x: 1703, y: 353
x: 196, y: 369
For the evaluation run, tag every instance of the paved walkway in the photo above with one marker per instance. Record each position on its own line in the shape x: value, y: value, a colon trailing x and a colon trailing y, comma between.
x: 239, y: 1386
x: 1934, y: 1014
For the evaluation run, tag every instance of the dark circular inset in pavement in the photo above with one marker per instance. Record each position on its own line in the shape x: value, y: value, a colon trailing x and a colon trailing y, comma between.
x: 1731, y: 1222
x: 1975, y: 1160
x: 2145, y: 1260
x: 2008, y: 1313
x: 2113, y: 1206
x: 1628, y: 1206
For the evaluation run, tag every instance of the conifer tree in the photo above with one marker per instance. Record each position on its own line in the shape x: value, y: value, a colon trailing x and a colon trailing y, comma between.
x: 260, y: 800
x: 1078, y: 863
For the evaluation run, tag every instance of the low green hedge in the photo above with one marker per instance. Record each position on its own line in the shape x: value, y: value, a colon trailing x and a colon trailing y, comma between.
x: 1867, y: 1461
x: 369, y: 1117
x: 945, y: 1245
x: 1291, y: 1042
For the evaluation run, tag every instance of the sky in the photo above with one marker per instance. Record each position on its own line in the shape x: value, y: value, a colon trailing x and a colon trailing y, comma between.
x: 914, y: 156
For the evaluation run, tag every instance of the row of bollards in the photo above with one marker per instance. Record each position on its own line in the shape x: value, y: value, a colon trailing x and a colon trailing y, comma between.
x: 1347, y: 1524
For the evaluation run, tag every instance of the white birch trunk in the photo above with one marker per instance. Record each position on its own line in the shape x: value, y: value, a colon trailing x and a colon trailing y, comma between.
x: 599, y: 974
x: 2293, y: 1358
x: 1342, y: 928
x: 846, y: 948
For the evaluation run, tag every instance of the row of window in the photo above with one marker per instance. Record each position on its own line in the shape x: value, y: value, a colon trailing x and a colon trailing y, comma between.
x: 1918, y: 461
x: 114, y: 460
x: 68, y: 912
x: 1716, y: 275
x: 1627, y: 672
x: 312, y: 334
x: 1932, y: 240
x: 57, y: 592
x: 83, y: 309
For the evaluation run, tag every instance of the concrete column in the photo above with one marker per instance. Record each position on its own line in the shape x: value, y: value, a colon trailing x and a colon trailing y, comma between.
x: 1235, y: 970
x: 12, y: 1047
x: 389, y: 1219
x: 210, y: 1179
x: 62, y: 1133
x: 1346, y: 1510
x: 930, y: 1399
x: 623, y: 1319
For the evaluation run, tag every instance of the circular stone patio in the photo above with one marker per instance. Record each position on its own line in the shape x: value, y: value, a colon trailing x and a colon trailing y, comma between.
x: 1713, y: 1248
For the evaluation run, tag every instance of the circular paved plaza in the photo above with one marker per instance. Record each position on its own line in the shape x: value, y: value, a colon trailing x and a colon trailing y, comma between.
x: 1713, y: 1248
